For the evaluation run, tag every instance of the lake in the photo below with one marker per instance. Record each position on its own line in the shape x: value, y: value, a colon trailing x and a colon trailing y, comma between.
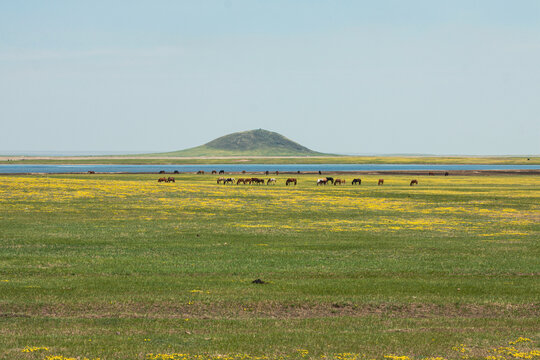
x: 54, y: 169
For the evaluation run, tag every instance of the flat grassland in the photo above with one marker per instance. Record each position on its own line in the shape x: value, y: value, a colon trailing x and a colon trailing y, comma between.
x: 123, y: 267
x: 179, y: 160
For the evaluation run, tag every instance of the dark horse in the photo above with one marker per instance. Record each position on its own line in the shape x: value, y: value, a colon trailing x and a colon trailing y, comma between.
x: 414, y: 182
x: 381, y: 182
x: 290, y: 181
x: 330, y: 179
x: 357, y: 181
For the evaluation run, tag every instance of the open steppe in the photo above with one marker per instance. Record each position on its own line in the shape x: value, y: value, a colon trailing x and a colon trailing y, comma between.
x: 177, y: 160
x: 123, y: 267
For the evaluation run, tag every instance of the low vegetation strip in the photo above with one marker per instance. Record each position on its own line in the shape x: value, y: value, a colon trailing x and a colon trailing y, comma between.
x: 123, y: 267
x: 251, y: 159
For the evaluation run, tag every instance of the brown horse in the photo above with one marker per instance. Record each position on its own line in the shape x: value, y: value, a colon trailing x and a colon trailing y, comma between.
x: 257, y: 181
x: 170, y: 179
x: 381, y: 182
x: 162, y: 179
x: 162, y: 172
x: 91, y: 172
x: 357, y: 181
x: 290, y: 181
x: 220, y: 179
x: 431, y: 173
x: 214, y: 172
x: 414, y: 182
x: 339, y: 181
x: 240, y: 181
x: 200, y: 172
x: 322, y: 181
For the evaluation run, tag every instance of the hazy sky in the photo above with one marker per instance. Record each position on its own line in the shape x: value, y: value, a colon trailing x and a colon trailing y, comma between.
x: 440, y: 77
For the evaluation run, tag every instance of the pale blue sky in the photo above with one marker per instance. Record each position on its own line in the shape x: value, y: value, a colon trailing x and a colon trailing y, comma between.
x: 452, y: 77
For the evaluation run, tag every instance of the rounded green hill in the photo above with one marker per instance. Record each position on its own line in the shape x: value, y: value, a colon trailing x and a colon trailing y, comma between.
x: 248, y: 143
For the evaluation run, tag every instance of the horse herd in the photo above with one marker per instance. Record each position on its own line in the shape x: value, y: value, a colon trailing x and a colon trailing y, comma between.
x: 356, y: 181
x: 294, y: 181
x: 255, y: 181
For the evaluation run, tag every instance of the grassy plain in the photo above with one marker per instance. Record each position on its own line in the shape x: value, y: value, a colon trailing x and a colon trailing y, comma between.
x: 216, y: 159
x: 121, y: 267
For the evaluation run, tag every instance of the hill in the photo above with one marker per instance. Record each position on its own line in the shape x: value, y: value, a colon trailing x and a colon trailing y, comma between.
x: 254, y: 142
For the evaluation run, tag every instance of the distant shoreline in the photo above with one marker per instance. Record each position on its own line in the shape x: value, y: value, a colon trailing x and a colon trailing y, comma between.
x: 435, y: 173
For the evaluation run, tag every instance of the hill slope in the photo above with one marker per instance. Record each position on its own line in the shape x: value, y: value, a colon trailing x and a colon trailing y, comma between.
x: 254, y: 142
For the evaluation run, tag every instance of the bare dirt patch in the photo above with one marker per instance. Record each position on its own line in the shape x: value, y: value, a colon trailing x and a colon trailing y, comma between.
x: 269, y: 310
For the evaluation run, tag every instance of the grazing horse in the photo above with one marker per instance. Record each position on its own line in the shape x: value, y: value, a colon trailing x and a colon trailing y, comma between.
x: 381, y: 182
x: 277, y: 172
x: 200, y: 172
x: 322, y: 181
x: 91, y: 172
x: 257, y: 181
x: 414, y: 182
x: 339, y: 181
x: 162, y: 172
x: 229, y: 181
x: 214, y: 172
x: 170, y: 179
x: 221, y: 172
x: 271, y: 180
x: 290, y: 181
x: 162, y: 179
x: 220, y: 179
x: 330, y: 179
x: 176, y: 172
x: 247, y: 181
x: 267, y: 172
x: 357, y: 181
x: 431, y: 173
x: 240, y: 181
x: 446, y: 173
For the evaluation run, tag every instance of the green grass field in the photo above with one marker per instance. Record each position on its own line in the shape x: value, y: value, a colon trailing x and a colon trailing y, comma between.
x: 121, y: 267
x: 170, y: 160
